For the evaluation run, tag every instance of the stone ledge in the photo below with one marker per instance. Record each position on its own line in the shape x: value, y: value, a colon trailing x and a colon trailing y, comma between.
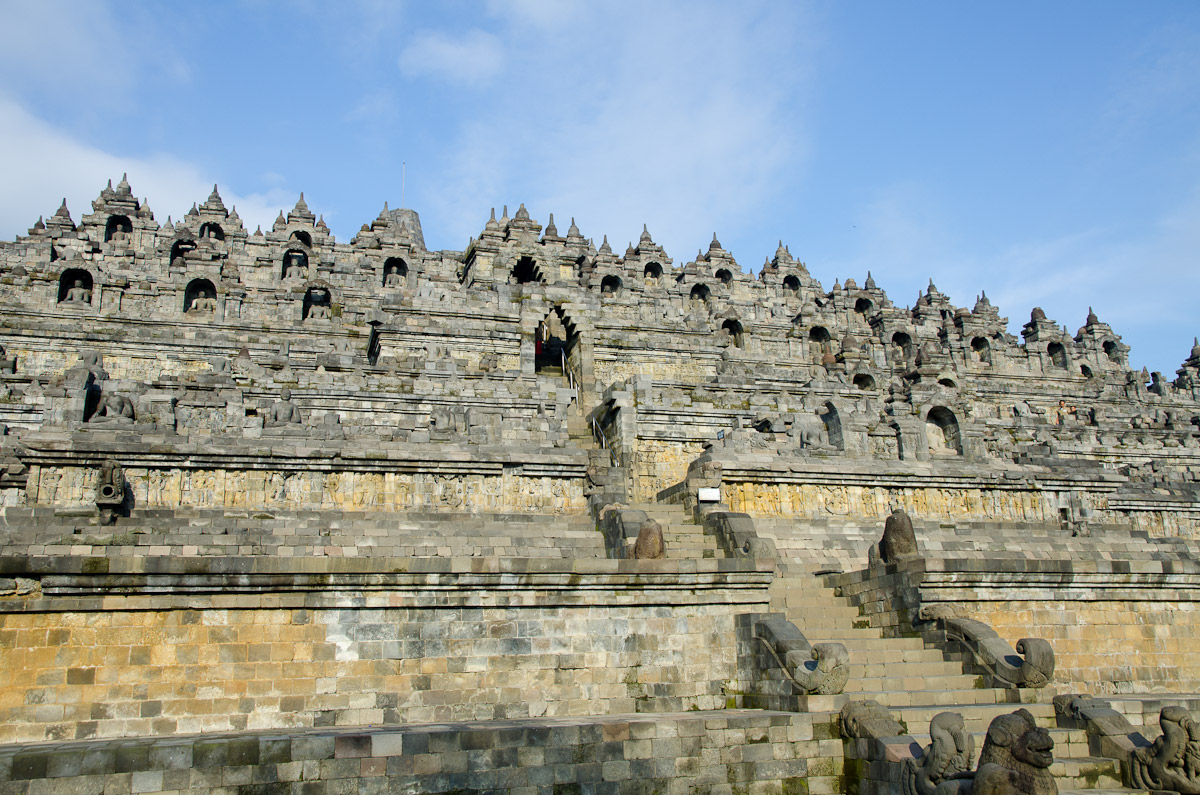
x: 714, y: 747
x: 164, y: 583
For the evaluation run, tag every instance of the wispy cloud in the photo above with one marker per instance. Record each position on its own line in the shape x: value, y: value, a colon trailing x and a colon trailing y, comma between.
x: 43, y: 164
x: 1143, y: 286
x: 681, y: 120
x: 471, y: 59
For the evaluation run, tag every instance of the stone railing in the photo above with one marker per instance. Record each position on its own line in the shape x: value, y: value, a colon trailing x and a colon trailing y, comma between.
x: 788, y: 665
x: 893, y: 598
x: 999, y: 661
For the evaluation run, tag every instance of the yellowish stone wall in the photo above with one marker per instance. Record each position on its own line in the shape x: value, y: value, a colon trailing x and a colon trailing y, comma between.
x: 355, y: 491
x: 145, y: 368
x: 808, y: 500
x: 1158, y: 524
x: 162, y: 672
x: 621, y: 366
x: 1108, y: 647
x: 660, y: 464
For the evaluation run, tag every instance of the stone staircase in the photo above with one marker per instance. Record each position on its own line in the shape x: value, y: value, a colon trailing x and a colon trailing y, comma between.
x: 683, y: 538
x: 916, y: 683
x: 829, y: 545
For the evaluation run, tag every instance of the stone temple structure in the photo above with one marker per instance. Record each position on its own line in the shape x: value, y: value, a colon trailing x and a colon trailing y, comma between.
x: 283, y: 514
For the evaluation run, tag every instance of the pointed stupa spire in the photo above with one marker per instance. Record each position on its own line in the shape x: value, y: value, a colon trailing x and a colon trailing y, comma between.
x: 492, y: 224
x: 645, y: 238
x: 39, y: 224
x: 522, y: 213
x: 604, y: 247
x: 123, y: 188
x: 233, y: 215
x: 715, y: 245
x: 215, y: 196
x: 301, y: 205
x: 1091, y: 317
x: 258, y: 231
x: 869, y: 284
x: 62, y: 211
x: 573, y: 233
x: 195, y: 210
x: 504, y: 215
x: 1196, y: 348
x: 321, y: 225
x: 551, y: 229
x: 781, y: 253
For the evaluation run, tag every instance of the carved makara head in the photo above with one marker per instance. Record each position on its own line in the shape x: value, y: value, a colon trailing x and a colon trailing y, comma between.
x: 1016, y: 738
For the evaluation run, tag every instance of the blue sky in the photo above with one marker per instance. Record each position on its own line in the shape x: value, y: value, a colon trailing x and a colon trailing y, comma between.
x: 1048, y: 153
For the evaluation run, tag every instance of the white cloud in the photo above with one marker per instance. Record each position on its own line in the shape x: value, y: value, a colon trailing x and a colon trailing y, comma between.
x: 1144, y: 287
x: 42, y: 164
x: 684, y: 120
x: 473, y: 59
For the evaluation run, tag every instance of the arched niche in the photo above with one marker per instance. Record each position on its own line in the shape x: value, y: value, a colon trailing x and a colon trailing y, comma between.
x: 1112, y: 351
x: 947, y: 382
x: 819, y: 335
x: 1086, y: 371
x: 1058, y: 355
x: 942, y: 432
x: 395, y: 272
x: 556, y: 344
x: 724, y: 276
x: 301, y: 237
x: 75, y: 287
x: 901, y: 347
x: 610, y: 285
x: 863, y: 306
x: 982, y: 350
x: 791, y: 284
x: 652, y: 273
x: 864, y: 381
x: 734, y: 331
x: 700, y: 292
x: 118, y: 227
x: 526, y: 271
x: 295, y: 264
x: 833, y: 426
x: 318, y: 302
x: 200, y: 297
x: 180, y: 248
x: 212, y: 231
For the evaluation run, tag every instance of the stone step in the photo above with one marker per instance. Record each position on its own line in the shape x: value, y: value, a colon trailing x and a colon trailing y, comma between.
x: 870, y: 668
x: 1096, y: 773
x: 1069, y: 744
x: 976, y: 715
x: 857, y: 683
x: 862, y: 639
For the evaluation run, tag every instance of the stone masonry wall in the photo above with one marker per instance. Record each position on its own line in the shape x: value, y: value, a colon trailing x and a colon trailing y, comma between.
x: 236, y: 644
x: 871, y: 503
x: 1107, y: 646
x: 346, y: 491
x: 719, y: 753
x: 1115, y: 626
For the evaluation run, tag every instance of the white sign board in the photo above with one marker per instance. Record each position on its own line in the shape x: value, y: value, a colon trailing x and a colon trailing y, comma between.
x: 709, y: 495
